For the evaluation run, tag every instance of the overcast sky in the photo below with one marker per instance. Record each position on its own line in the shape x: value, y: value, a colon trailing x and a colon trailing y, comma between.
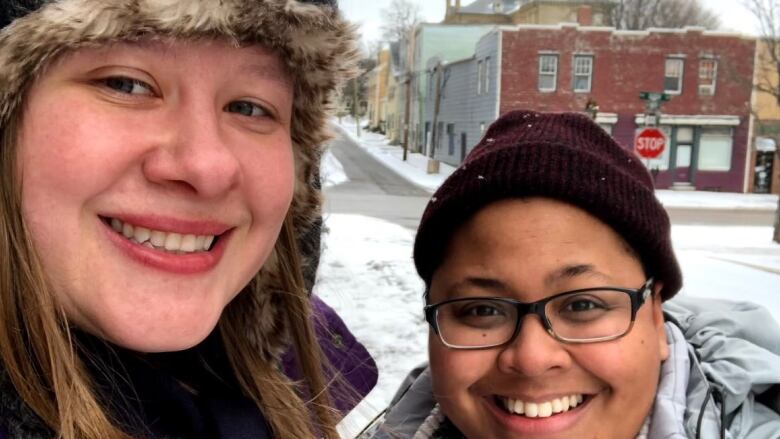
x: 732, y: 14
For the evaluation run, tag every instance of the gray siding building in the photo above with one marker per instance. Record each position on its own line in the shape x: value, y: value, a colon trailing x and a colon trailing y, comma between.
x: 468, y: 93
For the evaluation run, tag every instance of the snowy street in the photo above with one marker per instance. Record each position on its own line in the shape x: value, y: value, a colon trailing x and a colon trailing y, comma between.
x: 368, y: 276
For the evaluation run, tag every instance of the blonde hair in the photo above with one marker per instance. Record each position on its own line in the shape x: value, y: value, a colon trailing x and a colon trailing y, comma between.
x: 39, y: 357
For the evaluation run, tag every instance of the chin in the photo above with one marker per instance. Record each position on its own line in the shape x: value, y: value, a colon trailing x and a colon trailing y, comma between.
x: 160, y: 335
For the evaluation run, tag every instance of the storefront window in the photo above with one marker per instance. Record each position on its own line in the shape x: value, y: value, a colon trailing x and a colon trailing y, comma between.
x: 715, y: 146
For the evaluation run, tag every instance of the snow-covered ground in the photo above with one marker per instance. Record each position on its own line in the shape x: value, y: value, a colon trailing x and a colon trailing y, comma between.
x: 368, y: 276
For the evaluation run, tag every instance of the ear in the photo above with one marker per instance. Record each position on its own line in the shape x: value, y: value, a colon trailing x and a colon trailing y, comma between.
x: 658, y: 320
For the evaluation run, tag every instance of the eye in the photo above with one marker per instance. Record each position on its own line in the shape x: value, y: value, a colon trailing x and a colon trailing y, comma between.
x: 482, y: 311
x: 247, y: 109
x: 582, y: 305
x: 127, y: 85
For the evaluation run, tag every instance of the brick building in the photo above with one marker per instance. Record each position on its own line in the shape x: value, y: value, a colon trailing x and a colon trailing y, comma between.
x: 561, y: 68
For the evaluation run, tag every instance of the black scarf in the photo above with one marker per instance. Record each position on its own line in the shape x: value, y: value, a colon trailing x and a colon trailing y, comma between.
x: 187, y: 394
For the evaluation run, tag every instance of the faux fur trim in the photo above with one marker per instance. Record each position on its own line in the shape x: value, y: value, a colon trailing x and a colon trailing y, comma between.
x: 317, y: 44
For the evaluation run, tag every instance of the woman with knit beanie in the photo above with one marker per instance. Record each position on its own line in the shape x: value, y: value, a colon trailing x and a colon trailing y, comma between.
x: 160, y: 206
x: 548, y: 269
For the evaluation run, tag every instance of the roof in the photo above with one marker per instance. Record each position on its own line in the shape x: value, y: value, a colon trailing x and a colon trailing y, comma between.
x: 487, y: 6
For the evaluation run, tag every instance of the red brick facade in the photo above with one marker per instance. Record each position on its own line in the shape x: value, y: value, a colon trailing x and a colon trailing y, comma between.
x: 625, y: 63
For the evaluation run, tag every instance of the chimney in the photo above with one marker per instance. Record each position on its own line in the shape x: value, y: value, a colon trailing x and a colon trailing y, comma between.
x: 585, y: 15
x: 452, y: 8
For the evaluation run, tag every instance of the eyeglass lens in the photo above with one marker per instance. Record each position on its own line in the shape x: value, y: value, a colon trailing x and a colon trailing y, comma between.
x: 582, y: 316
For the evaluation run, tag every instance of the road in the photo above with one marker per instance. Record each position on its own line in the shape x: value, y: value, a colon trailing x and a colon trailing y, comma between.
x: 374, y: 190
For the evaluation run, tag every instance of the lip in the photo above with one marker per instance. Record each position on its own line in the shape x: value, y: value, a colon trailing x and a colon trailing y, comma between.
x: 522, y: 425
x: 193, y: 263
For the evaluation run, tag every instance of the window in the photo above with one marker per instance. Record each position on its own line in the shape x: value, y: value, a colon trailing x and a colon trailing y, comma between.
x: 583, y: 72
x: 486, y: 75
x: 673, y: 75
x: 451, y: 138
x: 715, y: 149
x: 708, y: 72
x: 548, y: 72
x: 480, y: 74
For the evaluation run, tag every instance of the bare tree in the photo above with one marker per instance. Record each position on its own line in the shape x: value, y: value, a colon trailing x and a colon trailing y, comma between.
x: 399, y: 18
x: 643, y: 14
x: 767, y: 80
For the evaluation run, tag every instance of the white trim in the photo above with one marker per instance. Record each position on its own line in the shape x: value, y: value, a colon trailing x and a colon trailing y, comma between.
x: 608, y: 118
x: 574, y: 74
x: 680, y: 78
x: 698, y: 120
x: 554, y: 74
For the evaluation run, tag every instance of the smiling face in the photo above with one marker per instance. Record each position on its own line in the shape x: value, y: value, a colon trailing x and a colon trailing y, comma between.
x: 155, y: 179
x: 528, y: 250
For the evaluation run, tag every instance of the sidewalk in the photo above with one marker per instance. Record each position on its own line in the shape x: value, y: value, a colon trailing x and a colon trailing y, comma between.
x: 748, y: 246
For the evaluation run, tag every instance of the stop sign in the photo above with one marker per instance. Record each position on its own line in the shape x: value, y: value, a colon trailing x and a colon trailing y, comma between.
x: 649, y: 142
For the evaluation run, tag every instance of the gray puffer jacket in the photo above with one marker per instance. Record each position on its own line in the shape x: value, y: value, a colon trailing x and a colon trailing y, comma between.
x: 722, y: 379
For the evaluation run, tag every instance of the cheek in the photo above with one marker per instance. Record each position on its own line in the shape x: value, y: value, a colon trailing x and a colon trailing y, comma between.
x: 630, y: 366
x: 270, y: 175
x: 454, y: 372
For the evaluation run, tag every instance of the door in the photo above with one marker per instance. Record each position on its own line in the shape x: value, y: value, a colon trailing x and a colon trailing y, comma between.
x: 762, y: 179
x: 682, y: 164
x: 683, y: 154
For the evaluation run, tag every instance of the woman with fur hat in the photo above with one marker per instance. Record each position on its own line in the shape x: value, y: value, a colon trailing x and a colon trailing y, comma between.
x: 160, y: 200
x: 547, y: 259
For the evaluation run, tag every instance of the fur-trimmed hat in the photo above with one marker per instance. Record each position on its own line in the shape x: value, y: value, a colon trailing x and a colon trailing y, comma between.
x: 310, y: 36
x: 564, y: 156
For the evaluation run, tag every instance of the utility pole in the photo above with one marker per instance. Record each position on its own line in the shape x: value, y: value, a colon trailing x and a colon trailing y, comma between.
x: 433, y: 164
x: 355, y: 111
x: 409, y: 75
x: 776, y: 236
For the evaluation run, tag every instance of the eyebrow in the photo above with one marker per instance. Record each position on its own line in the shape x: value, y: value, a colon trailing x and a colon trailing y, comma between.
x: 573, y: 271
x: 267, y: 72
x: 481, y: 283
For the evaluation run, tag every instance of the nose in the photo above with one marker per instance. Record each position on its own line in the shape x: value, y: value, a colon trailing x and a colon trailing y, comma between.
x: 534, y: 352
x: 194, y: 154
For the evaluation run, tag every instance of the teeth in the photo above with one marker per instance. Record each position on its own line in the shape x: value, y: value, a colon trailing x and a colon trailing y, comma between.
x: 173, y: 242
x: 170, y: 242
x: 519, y: 409
x: 188, y: 243
x: 127, y: 230
x: 116, y: 225
x: 543, y: 409
x: 141, y: 234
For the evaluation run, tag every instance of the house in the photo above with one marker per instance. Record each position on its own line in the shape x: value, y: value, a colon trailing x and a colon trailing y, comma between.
x: 764, y: 169
x: 449, y: 42
x: 568, y: 67
x: 509, y: 12
x: 377, y: 91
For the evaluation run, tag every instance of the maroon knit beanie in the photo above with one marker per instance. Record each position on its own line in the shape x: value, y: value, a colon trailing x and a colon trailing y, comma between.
x: 564, y: 156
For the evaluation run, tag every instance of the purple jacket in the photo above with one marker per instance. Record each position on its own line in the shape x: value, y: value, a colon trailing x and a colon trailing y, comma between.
x: 347, y: 356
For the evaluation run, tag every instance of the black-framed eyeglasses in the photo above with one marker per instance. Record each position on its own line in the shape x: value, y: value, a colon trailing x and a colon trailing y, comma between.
x: 588, y: 315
